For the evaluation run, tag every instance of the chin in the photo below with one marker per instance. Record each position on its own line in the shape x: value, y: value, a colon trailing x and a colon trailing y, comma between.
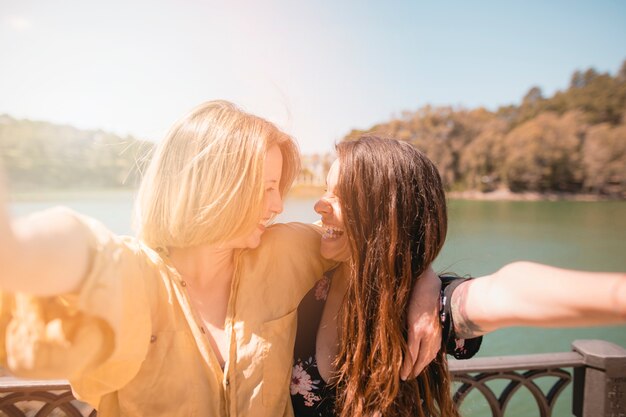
x: 253, y: 241
x: 326, y: 252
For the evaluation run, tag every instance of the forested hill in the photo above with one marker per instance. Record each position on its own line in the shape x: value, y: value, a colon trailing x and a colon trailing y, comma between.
x: 45, y: 156
x: 574, y: 141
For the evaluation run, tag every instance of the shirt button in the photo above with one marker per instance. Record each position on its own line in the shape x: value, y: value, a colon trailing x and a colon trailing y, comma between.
x: 226, y: 382
x: 183, y: 283
x: 153, y: 339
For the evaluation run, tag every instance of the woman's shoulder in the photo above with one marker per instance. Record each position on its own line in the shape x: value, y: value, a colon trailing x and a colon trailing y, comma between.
x: 295, y: 229
x: 292, y: 236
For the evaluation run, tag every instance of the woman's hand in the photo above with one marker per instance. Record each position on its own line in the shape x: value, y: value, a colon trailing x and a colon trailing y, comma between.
x: 424, y: 328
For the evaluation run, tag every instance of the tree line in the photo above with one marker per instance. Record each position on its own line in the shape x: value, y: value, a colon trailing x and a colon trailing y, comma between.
x: 574, y: 141
x: 45, y: 156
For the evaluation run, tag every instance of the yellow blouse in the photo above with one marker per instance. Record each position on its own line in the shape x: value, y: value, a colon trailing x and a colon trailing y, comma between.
x: 129, y: 341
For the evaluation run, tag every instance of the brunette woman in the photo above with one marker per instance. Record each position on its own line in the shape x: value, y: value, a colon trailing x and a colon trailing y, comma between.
x: 384, y: 215
x: 194, y: 316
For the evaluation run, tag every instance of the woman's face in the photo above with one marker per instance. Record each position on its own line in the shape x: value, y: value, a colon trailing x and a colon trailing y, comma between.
x: 272, y: 202
x: 334, y: 241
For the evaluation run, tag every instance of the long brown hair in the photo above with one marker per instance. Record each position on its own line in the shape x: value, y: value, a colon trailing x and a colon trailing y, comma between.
x: 395, y: 221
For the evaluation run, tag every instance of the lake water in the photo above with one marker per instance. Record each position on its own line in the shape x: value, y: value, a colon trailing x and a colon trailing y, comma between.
x: 483, y: 235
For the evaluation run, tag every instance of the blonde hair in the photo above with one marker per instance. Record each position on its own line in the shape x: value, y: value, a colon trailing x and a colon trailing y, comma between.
x: 204, y: 184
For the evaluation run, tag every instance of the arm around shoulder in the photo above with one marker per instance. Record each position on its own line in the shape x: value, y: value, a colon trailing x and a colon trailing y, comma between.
x: 424, y: 328
x: 299, y: 245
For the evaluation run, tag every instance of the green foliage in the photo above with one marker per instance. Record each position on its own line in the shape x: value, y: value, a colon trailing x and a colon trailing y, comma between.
x: 604, y: 159
x: 574, y: 141
x: 543, y: 154
x: 40, y: 155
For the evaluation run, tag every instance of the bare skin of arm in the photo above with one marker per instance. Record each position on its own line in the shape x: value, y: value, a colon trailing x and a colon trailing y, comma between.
x: 531, y: 294
x: 43, y: 254
x: 424, y: 329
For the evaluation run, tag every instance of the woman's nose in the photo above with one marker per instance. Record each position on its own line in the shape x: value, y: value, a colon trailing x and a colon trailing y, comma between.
x: 276, y: 205
x: 322, y: 207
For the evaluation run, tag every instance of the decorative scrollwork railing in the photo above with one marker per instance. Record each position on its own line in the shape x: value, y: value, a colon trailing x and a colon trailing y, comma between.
x: 599, y: 384
x: 40, y: 398
x: 518, y: 372
x: 599, y: 376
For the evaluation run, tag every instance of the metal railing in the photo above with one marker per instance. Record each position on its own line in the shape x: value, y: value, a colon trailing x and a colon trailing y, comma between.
x: 597, y: 369
x: 40, y: 398
x: 599, y: 376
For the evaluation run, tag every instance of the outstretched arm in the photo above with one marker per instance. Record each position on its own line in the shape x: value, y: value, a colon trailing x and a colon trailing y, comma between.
x: 42, y: 254
x: 531, y: 294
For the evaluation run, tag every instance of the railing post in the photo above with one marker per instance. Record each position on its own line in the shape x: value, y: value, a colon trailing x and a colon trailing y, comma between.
x: 600, y: 386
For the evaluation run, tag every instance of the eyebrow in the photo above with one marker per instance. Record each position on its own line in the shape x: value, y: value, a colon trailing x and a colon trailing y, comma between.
x: 271, y: 180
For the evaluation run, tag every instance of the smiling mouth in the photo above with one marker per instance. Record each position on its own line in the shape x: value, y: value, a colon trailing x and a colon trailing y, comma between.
x: 331, y: 232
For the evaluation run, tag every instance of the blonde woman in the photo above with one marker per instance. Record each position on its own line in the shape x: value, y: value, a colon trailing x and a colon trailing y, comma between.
x: 192, y: 317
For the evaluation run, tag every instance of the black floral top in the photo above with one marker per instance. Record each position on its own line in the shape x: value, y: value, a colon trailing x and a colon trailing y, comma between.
x: 310, y: 394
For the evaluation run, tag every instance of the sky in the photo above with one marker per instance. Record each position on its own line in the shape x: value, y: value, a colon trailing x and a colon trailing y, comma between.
x: 315, y: 68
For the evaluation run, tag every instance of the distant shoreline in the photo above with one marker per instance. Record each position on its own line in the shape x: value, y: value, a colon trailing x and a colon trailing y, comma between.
x: 314, y: 191
x: 69, y: 194
x: 507, y: 195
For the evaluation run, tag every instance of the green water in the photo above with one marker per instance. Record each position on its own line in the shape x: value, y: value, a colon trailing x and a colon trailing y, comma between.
x: 583, y: 235
x: 483, y: 236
